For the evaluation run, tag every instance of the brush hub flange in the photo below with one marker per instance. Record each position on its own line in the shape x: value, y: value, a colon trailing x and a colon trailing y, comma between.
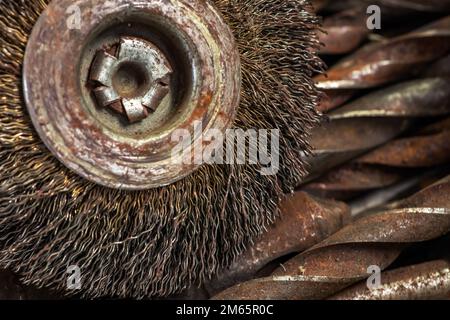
x: 108, y: 83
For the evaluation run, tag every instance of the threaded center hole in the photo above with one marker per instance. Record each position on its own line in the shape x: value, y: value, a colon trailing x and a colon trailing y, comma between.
x: 130, y: 80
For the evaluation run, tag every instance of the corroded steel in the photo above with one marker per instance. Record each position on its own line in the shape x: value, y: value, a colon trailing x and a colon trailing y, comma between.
x: 386, y: 61
x: 430, y: 280
x: 95, y: 143
x: 379, y: 117
x: 304, y: 222
x: 344, y: 31
x: 345, y: 257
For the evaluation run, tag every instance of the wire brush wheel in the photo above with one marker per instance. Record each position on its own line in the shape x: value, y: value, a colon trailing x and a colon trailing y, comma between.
x: 167, y: 236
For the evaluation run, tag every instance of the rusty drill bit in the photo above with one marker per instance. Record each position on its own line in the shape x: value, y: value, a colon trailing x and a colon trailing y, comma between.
x: 391, y: 163
x: 350, y: 180
x: 417, y: 98
x: 429, y: 149
x: 390, y: 60
x: 344, y: 258
x: 375, y: 119
x: 331, y: 99
x: 379, y: 168
x: 344, y: 31
x: 304, y: 222
x: 440, y: 68
x: 430, y: 280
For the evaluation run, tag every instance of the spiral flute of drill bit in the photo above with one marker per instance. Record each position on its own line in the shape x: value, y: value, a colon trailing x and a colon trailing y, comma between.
x: 430, y: 280
x: 304, y: 222
x: 344, y: 31
x: 344, y: 258
x: 375, y: 119
x: 398, y: 159
x: 386, y: 61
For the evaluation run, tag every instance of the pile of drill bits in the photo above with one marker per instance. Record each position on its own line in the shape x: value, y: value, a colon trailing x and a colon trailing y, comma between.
x: 345, y: 258
x: 382, y: 157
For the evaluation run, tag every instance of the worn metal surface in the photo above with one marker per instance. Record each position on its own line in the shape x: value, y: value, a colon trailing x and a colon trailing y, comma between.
x: 398, y: 159
x: 343, y: 139
x: 334, y: 98
x: 181, y: 234
x: 419, y: 148
x: 304, y: 222
x: 430, y: 280
x: 418, y: 151
x: 388, y: 145
x: 386, y: 61
x: 440, y: 68
x: 426, y: 97
x: 378, y: 117
x: 418, y: 98
x: 132, y: 80
x: 94, y: 143
x: 350, y: 180
x: 344, y: 31
x: 348, y: 136
x: 344, y: 258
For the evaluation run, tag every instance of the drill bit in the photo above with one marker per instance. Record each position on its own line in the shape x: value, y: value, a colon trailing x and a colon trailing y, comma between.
x: 331, y: 99
x: 344, y: 31
x: 304, y: 222
x: 345, y: 258
x: 386, y: 165
x: 430, y: 280
x: 386, y: 61
x: 375, y: 119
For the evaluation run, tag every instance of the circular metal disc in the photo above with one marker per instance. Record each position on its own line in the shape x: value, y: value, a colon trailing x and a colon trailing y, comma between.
x: 90, y: 123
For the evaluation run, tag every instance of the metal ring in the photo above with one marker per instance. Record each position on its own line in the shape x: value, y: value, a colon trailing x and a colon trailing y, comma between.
x: 100, y: 143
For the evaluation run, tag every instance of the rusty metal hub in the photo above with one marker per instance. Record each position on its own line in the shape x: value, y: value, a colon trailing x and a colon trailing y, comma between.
x: 106, y: 96
x: 132, y: 80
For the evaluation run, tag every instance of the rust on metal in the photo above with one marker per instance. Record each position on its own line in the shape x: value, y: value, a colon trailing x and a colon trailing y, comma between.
x: 344, y: 258
x: 379, y: 168
x: 304, y: 222
x: 344, y: 31
x: 334, y: 98
x: 418, y: 98
x: 386, y: 165
x: 412, y: 152
x: 350, y: 180
x: 191, y: 40
x: 430, y: 280
x: 389, y: 60
x: 440, y: 68
x: 371, y: 121
x: 343, y: 139
x: 375, y: 143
